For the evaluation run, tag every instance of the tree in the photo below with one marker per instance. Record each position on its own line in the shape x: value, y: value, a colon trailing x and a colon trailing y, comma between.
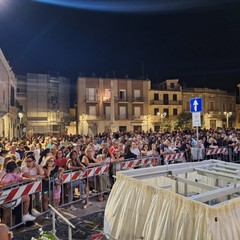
x: 184, y: 120
x: 168, y: 125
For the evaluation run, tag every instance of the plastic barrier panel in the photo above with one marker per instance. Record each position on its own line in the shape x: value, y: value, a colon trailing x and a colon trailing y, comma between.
x: 11, y: 194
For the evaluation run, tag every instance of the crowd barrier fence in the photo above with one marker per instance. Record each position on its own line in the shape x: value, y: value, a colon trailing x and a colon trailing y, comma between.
x: 11, y: 198
x: 98, y: 178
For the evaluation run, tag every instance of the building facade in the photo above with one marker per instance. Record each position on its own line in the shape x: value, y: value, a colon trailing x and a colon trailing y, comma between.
x: 46, y: 103
x: 112, y: 104
x: 9, y: 121
x: 130, y: 105
x: 165, y: 102
x: 215, y: 103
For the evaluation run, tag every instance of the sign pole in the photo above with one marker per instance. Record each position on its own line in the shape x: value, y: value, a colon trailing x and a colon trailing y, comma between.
x: 197, y: 145
x: 196, y: 109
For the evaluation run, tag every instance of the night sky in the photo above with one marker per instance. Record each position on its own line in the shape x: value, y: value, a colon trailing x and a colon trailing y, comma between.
x: 198, y: 43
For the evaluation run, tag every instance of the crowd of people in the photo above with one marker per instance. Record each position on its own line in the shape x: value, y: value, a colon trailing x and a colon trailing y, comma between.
x: 46, y: 158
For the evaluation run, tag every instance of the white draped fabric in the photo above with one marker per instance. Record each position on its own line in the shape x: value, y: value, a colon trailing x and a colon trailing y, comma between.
x: 141, y: 210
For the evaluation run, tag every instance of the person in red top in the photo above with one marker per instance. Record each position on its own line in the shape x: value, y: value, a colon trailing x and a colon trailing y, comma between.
x: 60, y: 160
x: 113, y: 148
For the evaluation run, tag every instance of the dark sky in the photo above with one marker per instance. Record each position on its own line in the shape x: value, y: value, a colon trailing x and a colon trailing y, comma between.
x: 198, y: 43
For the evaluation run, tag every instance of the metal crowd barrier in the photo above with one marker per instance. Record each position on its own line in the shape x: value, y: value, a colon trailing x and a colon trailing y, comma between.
x: 98, y: 178
x: 228, y: 154
x: 234, y: 154
x: 10, y: 198
x: 174, y: 158
x: 141, y: 162
x: 95, y: 178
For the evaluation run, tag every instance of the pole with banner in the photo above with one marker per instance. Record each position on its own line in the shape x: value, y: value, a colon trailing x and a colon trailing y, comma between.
x: 196, y: 109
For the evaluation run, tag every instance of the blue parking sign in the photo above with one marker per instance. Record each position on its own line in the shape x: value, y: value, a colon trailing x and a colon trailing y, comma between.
x: 195, y: 105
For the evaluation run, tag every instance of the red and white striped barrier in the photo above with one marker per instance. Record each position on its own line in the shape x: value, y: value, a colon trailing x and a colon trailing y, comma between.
x: 173, y: 156
x: 237, y: 149
x: 217, y: 151
x: 131, y: 163
x: 11, y: 194
x: 151, y: 160
x: 138, y: 162
x: 90, y: 172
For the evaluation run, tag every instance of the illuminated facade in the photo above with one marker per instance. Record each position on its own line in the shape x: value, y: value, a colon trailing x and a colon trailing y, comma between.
x: 238, y: 107
x: 165, y: 102
x: 8, y: 105
x: 112, y: 104
x: 215, y: 103
x: 130, y: 105
x: 46, y: 103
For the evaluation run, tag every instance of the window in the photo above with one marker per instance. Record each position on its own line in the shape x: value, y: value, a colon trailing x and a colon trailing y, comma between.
x: 137, y: 111
x: 156, y: 96
x: 156, y: 110
x: 174, y: 97
x: 166, y: 110
x: 122, y: 128
x: 213, y: 124
x: 122, y: 94
x: 136, y: 94
x: 107, y: 112
x: 107, y: 95
x: 211, y: 106
x: 91, y: 94
x: 165, y: 99
x: 230, y: 107
x: 56, y: 128
x: 224, y: 107
x: 122, y: 112
x: 175, y: 112
x: 12, y: 99
x: 171, y: 85
x: 92, y: 111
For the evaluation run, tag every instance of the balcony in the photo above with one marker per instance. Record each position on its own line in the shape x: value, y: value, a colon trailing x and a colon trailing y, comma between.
x: 122, y: 117
x: 91, y: 98
x: 137, y: 99
x: 106, y: 100
x: 165, y: 102
x: 122, y: 99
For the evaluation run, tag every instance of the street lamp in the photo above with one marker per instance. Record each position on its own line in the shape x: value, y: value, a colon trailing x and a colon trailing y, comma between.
x: 20, y: 115
x: 162, y: 115
x: 228, y: 115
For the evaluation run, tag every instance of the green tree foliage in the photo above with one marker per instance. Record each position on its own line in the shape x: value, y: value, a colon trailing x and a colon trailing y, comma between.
x: 184, y: 120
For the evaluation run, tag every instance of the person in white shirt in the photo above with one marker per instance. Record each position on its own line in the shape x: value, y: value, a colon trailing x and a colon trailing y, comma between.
x: 135, y: 150
x: 13, y: 150
x: 96, y: 146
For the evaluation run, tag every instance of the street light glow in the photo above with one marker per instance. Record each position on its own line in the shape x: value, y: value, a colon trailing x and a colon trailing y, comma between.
x: 227, y: 114
x: 162, y: 115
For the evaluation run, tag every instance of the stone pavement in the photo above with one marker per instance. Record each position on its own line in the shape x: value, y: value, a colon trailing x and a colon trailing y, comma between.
x: 87, y: 221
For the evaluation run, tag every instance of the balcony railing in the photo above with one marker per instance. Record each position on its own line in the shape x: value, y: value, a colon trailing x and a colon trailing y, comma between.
x: 106, y: 99
x: 137, y: 99
x: 122, y: 116
x: 165, y: 102
x: 122, y: 99
x: 91, y: 98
